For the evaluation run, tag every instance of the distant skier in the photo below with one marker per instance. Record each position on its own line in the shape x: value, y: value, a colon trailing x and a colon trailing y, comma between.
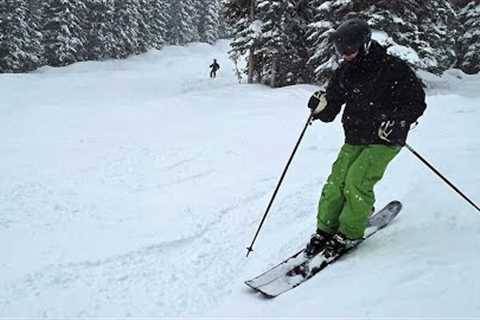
x: 215, y: 67
x: 382, y: 98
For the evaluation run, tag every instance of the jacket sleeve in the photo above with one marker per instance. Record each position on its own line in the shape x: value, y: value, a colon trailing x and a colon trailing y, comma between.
x: 335, y: 99
x: 408, y: 97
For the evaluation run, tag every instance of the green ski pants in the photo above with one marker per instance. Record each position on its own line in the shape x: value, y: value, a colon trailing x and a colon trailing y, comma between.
x: 347, y: 198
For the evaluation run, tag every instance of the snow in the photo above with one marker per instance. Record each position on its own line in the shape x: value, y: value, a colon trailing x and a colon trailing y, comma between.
x: 326, y: 6
x: 406, y: 53
x: 256, y: 28
x: 133, y: 187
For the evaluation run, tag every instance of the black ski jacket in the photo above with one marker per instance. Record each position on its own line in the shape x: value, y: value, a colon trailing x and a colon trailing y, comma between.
x: 215, y: 66
x: 376, y: 88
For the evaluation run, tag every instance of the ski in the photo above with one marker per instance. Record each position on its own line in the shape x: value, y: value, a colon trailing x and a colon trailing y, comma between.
x: 299, y: 268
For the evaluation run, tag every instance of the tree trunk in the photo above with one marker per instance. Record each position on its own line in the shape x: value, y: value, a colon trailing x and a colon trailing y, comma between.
x: 273, y: 78
x: 251, y: 58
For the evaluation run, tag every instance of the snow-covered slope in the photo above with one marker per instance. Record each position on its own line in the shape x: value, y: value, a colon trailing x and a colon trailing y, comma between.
x: 131, y: 188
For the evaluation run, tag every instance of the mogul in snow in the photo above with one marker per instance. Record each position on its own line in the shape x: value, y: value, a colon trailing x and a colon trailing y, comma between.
x: 215, y: 67
x: 382, y: 98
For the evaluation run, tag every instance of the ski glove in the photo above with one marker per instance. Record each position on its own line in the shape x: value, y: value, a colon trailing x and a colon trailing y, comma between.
x: 317, y: 102
x: 388, y: 128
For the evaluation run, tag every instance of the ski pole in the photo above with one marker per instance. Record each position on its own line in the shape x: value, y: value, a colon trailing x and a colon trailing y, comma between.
x: 250, y: 249
x: 441, y: 176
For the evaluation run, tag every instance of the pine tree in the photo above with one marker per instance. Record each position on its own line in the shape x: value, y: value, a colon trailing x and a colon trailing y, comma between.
x: 272, y: 42
x: 277, y: 51
x: 241, y: 16
x: 34, y: 23
x: 199, y: 7
x: 469, y: 42
x: 158, y: 23
x: 182, y: 28
x: 19, y: 45
x: 145, y: 36
x: 64, y: 36
x: 429, y: 28
x: 126, y: 28
x: 209, y: 21
x: 299, y: 28
x: 224, y: 30
x: 100, y: 39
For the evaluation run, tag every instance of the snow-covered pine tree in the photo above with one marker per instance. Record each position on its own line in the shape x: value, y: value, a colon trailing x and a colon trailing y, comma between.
x: 145, y: 36
x: 271, y: 43
x: 100, y: 39
x: 182, y: 28
x: 198, y: 12
x: 322, y: 59
x: 446, y: 27
x: 268, y: 38
x: 241, y: 16
x: 209, y: 20
x: 427, y: 29
x: 19, y: 42
x: 126, y: 28
x: 64, y: 36
x: 469, y: 41
x: 224, y: 30
x: 158, y: 22
x: 34, y: 22
x: 281, y: 42
x: 298, y: 30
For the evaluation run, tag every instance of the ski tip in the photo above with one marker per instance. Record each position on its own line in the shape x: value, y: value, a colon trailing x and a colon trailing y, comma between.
x: 395, y: 204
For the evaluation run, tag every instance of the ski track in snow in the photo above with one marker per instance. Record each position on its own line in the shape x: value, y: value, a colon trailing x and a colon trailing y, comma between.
x: 135, y: 189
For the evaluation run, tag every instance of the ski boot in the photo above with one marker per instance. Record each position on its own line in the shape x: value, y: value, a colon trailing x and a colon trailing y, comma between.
x: 337, y: 245
x: 317, y: 243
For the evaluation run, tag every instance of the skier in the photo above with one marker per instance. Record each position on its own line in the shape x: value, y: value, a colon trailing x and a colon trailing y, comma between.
x: 214, y: 66
x: 382, y: 98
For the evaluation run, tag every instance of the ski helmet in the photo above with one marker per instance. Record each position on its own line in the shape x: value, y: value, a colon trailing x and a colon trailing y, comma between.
x: 352, y: 35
